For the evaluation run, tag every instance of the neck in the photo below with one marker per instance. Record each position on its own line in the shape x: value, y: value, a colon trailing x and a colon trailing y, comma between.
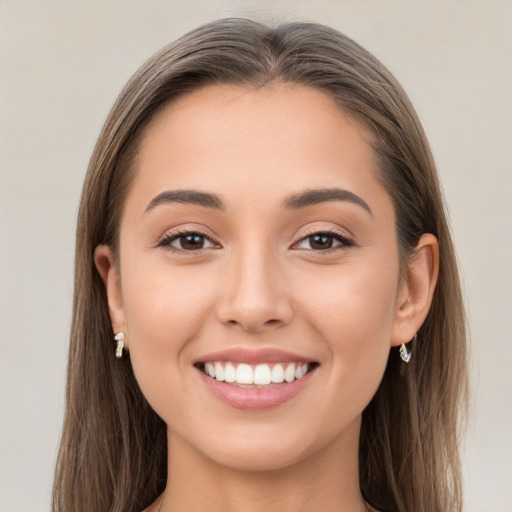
x: 328, y: 480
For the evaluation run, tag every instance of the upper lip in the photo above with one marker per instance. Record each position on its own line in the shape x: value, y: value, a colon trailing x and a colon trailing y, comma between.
x: 259, y: 356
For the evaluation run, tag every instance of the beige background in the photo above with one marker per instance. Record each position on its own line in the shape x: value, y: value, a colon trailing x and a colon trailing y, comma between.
x: 62, y: 65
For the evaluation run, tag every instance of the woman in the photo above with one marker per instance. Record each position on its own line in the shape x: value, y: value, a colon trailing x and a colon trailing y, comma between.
x: 267, y: 308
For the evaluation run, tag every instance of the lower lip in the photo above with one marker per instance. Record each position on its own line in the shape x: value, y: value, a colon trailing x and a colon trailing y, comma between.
x: 255, y: 399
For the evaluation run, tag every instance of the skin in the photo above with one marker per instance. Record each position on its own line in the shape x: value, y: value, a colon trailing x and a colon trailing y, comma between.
x: 259, y: 281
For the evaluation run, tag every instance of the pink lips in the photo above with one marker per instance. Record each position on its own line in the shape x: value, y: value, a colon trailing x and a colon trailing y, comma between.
x: 241, y: 355
x: 254, y: 398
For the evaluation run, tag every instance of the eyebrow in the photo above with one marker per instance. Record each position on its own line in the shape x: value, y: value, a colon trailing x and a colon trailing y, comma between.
x: 186, y: 197
x: 293, y: 202
x: 317, y: 196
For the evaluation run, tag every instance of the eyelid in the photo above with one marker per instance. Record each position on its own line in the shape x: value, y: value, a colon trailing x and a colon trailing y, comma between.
x: 344, y: 239
x: 172, y: 235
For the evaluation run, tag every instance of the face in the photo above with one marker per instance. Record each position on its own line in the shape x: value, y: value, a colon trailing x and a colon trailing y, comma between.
x: 258, y: 280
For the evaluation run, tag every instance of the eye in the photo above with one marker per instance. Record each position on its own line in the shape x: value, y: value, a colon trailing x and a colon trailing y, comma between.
x: 323, y: 241
x: 188, y: 241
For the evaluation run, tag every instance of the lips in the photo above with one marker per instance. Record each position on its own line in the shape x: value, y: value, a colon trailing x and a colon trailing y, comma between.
x: 255, y: 380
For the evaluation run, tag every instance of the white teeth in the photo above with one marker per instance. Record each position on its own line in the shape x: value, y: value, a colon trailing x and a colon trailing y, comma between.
x: 210, y: 369
x: 262, y: 375
x: 301, y: 371
x: 244, y: 374
x: 289, y: 373
x: 219, y: 371
x: 229, y: 373
x: 277, y: 374
x: 259, y: 375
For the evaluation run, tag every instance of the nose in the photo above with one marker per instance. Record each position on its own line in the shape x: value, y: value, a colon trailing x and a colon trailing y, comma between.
x: 254, y: 295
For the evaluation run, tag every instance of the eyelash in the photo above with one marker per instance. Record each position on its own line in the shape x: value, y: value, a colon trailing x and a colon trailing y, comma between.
x: 171, y: 237
x: 168, y: 239
x: 345, y: 242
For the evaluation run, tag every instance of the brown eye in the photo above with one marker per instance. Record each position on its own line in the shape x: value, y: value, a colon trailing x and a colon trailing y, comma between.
x: 191, y: 242
x: 320, y: 241
x: 323, y: 241
x: 187, y: 242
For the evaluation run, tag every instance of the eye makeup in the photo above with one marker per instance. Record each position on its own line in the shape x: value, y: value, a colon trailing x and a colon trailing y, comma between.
x: 324, y: 240
x: 196, y: 241
x: 187, y: 240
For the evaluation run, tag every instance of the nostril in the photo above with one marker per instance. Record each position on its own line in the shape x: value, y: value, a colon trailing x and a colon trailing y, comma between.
x: 253, y: 310
x: 253, y: 325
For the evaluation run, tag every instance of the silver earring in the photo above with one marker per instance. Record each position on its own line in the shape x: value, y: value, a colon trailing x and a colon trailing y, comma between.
x: 405, y: 355
x: 119, y: 337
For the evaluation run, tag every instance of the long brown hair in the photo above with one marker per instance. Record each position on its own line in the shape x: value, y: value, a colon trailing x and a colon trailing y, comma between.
x: 113, y: 454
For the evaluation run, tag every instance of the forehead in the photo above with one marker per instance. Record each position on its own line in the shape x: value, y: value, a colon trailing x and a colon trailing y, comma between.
x: 271, y: 142
x: 279, y: 115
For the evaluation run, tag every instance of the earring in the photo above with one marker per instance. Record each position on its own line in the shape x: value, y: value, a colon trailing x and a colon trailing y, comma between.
x: 119, y: 337
x: 405, y: 355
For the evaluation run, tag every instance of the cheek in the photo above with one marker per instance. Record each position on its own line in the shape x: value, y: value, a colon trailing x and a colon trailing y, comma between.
x: 356, y: 298
x: 163, y: 307
x: 162, y: 301
x: 353, y: 311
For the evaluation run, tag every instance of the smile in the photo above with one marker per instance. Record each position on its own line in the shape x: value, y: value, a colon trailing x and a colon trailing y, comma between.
x: 255, y: 380
x: 243, y: 374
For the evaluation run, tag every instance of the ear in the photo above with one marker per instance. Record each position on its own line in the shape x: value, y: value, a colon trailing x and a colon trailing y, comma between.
x: 107, y: 268
x: 416, y: 290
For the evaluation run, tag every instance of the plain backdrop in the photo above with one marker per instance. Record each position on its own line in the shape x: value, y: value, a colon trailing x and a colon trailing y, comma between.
x: 62, y: 65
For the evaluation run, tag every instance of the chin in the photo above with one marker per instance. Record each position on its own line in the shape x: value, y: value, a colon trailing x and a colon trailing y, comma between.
x: 266, y: 447
x: 258, y: 458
